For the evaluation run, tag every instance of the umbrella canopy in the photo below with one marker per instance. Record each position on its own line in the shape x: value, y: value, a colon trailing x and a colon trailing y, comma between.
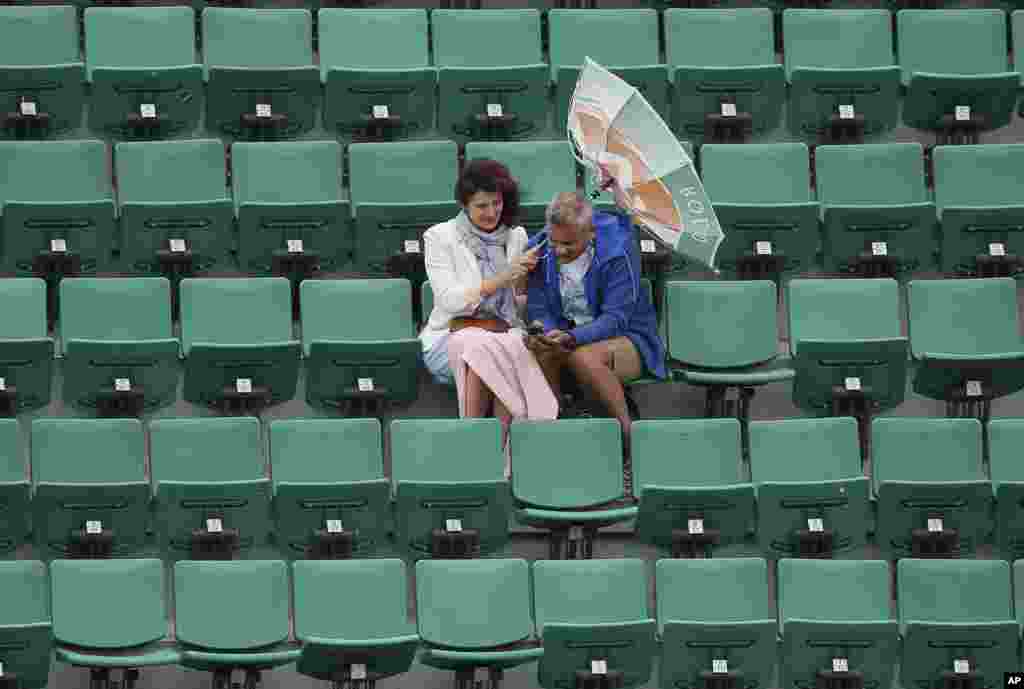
x: 617, y: 134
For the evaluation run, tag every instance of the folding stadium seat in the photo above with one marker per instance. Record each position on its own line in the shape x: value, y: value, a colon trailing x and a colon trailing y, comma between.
x: 120, y: 352
x: 844, y: 77
x: 978, y: 191
x: 91, y: 492
x: 236, y: 335
x: 451, y: 497
x: 26, y: 641
x: 623, y: 41
x: 722, y: 65
x: 260, y: 76
x: 715, y: 622
x: 932, y: 494
x: 359, y: 341
x: 58, y: 209
x: 492, y: 79
x: 14, y: 491
x: 694, y: 494
x: 399, y: 190
x: 957, y: 622
x: 233, y: 616
x: 331, y: 498
x: 575, y: 495
x: 1017, y: 23
x: 26, y: 349
x: 593, y: 622
x: 877, y: 213
x: 110, y: 615
x: 176, y: 214
x: 42, y: 69
x: 142, y: 67
x: 371, y: 91
x: 1004, y: 440
x: 762, y: 196
x: 210, y: 490
x: 475, y: 614
x: 292, y: 219
x: 812, y: 495
x: 956, y: 91
x: 351, y: 619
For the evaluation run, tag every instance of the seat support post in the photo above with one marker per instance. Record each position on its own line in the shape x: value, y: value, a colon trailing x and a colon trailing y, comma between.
x: 960, y: 405
x: 858, y: 404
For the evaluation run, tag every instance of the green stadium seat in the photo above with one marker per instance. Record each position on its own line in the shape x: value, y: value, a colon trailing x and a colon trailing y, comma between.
x: 261, y: 82
x: 1004, y: 441
x: 14, y: 492
x: 933, y: 497
x: 26, y: 349
x: 398, y: 191
x: 91, y: 494
x: 41, y: 67
x: 492, y: 79
x: 26, y: 637
x: 285, y: 192
x: 957, y: 622
x: 715, y: 619
x: 209, y: 486
x: 370, y: 354
x: 176, y: 215
x: 840, y: 58
x: 592, y: 619
x: 351, y: 619
x: 120, y: 352
x: 327, y: 471
x: 694, y: 494
x: 763, y: 199
x: 451, y: 496
x: 360, y: 76
x: 236, y: 335
x: 145, y: 79
x: 877, y: 214
x: 1017, y: 24
x: 723, y: 56
x: 978, y: 191
x: 475, y: 614
x: 623, y: 41
x: 58, y: 208
x: 956, y: 59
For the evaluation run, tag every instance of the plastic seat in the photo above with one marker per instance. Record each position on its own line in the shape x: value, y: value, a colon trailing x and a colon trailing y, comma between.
x: 398, y: 191
x: 714, y: 618
x: 1004, y: 439
x: 58, y: 209
x: 326, y: 470
x: 978, y: 192
x: 451, y: 497
x: 932, y: 493
x: 369, y: 91
x: 589, y: 611
x: 40, y: 54
x: 90, y: 486
x: 120, y: 352
x: 14, y: 491
x: 938, y: 80
x: 260, y: 78
x: 26, y: 349
x: 145, y: 79
x: 877, y: 213
x: 841, y: 58
x: 957, y: 622
x: 1017, y: 27
x: 723, y: 56
x: 763, y: 199
x: 236, y: 335
x: 26, y: 636
x: 694, y: 493
x: 176, y: 214
x: 489, y: 59
x: 209, y: 470
x: 369, y: 355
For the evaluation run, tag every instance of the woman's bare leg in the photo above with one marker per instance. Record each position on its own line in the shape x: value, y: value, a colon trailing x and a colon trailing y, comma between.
x: 505, y: 416
x: 479, y: 398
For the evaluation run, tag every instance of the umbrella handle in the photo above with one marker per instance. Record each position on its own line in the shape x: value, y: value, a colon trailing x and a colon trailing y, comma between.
x: 603, y: 188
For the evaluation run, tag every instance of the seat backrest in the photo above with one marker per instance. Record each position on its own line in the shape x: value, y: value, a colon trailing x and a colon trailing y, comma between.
x: 326, y: 450
x: 923, y: 449
x: 757, y: 173
x: 23, y: 305
x: 870, y: 174
x: 1017, y: 19
x: 953, y: 590
x: 837, y: 39
x: 87, y: 450
x: 402, y: 171
x: 686, y: 452
x: 495, y: 38
x: 542, y: 168
x: 235, y: 311
x: 26, y: 590
x: 1005, y: 438
x: 356, y: 310
x: 170, y: 171
x: 717, y: 591
x: 589, y: 591
x: 446, y: 450
x: 54, y: 171
x: 614, y: 38
x: 25, y: 628
x: 355, y: 38
x: 807, y: 590
x: 110, y: 309
x: 244, y: 37
x: 802, y: 450
x: 286, y: 172
x: 964, y: 317
x: 39, y: 35
x: 955, y: 41
x: 843, y: 310
x: 978, y: 175
x: 140, y: 37
x: 207, y: 450
x: 350, y: 599
x: 720, y: 37
x: 12, y: 453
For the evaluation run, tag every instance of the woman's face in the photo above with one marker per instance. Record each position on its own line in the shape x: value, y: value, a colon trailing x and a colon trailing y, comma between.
x: 484, y: 209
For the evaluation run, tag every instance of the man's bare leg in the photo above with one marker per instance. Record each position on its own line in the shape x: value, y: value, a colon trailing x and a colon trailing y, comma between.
x: 601, y: 367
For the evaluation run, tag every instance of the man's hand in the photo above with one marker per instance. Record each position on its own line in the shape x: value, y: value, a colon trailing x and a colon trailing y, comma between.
x: 561, y: 338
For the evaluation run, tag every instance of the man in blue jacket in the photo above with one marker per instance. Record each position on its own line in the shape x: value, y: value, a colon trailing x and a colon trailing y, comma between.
x: 586, y: 292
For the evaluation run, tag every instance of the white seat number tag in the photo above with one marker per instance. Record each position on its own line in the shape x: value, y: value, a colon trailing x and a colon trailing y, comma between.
x: 453, y: 525
x: 599, y: 667
x: 177, y: 246
x: 365, y: 384
x: 358, y: 671
x: 840, y: 665
x: 996, y: 249
x: 243, y: 385
x: 728, y: 110
x: 962, y: 113
x: 295, y: 246
x: 58, y: 246
x: 333, y: 526
x: 846, y: 112
x: 695, y: 526
x: 934, y: 525
x: 93, y: 527
x: 495, y: 110
x: 815, y: 525
x: 763, y: 248
x: 412, y: 246
x: 719, y: 666
x: 147, y: 111
x: 3, y: 384
x: 647, y: 246
x: 122, y: 384
x: 852, y: 383
x: 380, y: 112
x: 961, y: 667
x: 214, y: 525
x: 973, y: 388
x: 28, y: 108
x: 263, y: 110
x: 879, y: 249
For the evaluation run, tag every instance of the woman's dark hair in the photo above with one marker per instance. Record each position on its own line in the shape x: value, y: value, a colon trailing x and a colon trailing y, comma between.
x: 483, y: 174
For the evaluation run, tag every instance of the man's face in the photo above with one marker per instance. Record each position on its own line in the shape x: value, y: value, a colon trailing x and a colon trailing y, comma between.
x: 568, y: 242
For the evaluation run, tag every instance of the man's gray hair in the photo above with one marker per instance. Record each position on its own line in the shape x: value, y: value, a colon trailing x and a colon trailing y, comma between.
x: 570, y: 208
